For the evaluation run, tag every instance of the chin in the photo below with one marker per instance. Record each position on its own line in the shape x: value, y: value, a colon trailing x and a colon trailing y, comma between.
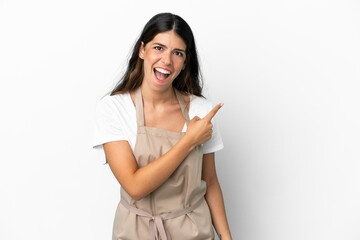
x: 161, y: 85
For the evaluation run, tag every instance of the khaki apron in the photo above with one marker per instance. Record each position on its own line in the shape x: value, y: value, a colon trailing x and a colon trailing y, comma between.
x: 177, y: 209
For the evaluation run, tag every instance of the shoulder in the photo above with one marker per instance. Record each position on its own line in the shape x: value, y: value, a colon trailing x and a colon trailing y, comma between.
x: 197, y: 100
x: 199, y: 106
x: 117, y: 99
x: 202, y: 101
x: 112, y: 103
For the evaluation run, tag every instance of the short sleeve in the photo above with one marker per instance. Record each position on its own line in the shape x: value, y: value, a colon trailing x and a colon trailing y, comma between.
x: 108, y: 125
x: 201, y: 107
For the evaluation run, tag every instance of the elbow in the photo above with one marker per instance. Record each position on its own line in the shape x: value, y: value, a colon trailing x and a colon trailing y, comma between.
x: 136, y: 189
x: 136, y: 194
x: 212, y: 183
x: 137, y: 197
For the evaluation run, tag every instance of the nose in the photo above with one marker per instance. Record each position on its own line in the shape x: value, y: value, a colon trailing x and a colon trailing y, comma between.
x: 166, y: 58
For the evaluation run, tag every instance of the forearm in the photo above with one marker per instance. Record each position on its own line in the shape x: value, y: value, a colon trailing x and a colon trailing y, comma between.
x: 152, y: 175
x: 215, y: 201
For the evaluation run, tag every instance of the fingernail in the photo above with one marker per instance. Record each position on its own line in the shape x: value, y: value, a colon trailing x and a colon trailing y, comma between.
x: 221, y: 104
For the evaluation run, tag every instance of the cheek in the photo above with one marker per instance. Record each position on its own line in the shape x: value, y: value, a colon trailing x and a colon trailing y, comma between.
x: 149, y: 61
x: 153, y: 55
x: 150, y: 58
x: 178, y: 63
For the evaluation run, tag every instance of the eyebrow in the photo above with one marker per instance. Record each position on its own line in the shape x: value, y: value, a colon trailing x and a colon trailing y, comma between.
x: 162, y: 45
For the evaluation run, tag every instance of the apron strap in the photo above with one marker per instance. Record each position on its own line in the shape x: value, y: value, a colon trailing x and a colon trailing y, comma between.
x: 140, y: 107
x: 184, y: 109
x: 156, y: 224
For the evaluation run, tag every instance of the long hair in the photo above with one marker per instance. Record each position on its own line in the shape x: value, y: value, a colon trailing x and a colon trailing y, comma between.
x: 189, y: 80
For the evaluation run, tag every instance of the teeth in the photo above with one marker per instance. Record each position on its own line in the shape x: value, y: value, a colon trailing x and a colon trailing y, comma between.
x: 162, y: 71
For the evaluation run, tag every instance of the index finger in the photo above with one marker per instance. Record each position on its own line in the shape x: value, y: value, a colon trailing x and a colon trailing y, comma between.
x: 213, y: 111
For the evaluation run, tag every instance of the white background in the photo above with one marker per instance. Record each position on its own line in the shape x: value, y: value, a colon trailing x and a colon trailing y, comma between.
x: 287, y: 71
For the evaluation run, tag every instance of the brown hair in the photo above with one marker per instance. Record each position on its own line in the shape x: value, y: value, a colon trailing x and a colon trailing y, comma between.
x: 188, y: 81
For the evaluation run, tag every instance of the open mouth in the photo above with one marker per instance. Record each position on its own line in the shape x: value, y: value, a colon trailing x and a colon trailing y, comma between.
x: 161, y: 74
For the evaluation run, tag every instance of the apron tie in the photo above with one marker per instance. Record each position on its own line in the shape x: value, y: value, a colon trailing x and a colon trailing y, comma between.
x: 156, y: 224
x: 156, y: 228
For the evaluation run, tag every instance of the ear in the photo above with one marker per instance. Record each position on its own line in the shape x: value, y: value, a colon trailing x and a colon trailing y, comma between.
x: 141, y: 50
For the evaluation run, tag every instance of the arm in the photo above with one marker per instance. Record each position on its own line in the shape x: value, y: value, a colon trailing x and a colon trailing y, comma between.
x: 139, y: 182
x: 214, y: 197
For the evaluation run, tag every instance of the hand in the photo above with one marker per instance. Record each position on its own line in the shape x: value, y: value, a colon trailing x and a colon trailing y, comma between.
x: 199, y: 130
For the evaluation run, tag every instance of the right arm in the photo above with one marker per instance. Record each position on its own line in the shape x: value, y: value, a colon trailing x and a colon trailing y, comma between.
x: 139, y: 182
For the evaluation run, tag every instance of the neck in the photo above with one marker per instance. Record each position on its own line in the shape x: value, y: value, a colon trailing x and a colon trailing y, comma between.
x: 157, y: 98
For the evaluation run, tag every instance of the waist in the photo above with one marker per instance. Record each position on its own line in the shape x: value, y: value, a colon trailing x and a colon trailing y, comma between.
x: 156, y: 225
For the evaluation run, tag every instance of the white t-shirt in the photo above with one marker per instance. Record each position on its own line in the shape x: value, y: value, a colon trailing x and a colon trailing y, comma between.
x: 115, y: 120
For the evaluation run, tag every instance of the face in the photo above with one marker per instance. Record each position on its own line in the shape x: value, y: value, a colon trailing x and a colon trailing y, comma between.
x: 164, y: 58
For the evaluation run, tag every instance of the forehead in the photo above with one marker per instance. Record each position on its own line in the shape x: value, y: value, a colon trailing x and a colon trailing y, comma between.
x: 169, y: 39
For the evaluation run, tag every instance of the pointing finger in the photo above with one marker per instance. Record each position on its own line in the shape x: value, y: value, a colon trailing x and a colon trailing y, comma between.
x: 212, y: 113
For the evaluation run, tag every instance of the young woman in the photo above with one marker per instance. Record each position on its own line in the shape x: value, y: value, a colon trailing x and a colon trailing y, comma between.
x: 163, y: 161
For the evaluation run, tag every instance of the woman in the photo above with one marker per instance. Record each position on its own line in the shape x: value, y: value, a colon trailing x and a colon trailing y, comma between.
x: 163, y: 161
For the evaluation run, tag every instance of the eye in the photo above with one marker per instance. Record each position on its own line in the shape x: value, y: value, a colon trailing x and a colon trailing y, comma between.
x: 177, y: 53
x: 158, y: 48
